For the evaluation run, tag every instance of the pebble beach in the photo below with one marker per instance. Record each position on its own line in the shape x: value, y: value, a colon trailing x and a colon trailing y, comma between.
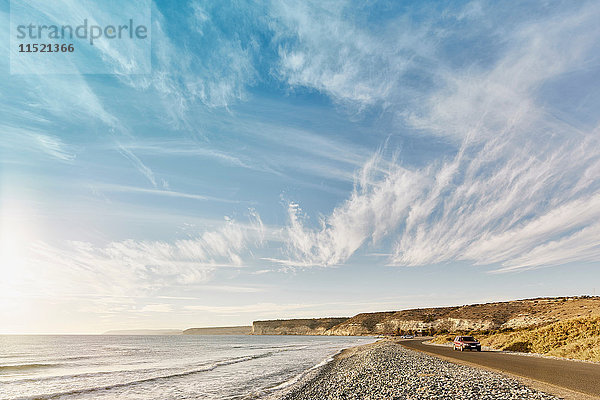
x: 386, y: 370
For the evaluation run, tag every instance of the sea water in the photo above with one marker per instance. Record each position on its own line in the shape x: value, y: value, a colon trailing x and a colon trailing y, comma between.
x: 158, y: 367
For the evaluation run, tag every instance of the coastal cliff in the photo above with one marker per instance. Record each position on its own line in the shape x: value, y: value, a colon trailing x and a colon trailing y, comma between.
x: 316, y: 326
x: 507, y: 315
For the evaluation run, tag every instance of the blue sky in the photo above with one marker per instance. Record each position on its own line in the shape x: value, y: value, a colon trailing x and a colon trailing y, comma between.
x: 297, y: 159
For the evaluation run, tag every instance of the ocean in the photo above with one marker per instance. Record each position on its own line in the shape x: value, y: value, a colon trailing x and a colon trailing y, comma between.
x: 69, y: 367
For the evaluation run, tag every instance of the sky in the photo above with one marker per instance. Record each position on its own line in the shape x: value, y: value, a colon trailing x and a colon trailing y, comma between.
x: 284, y: 159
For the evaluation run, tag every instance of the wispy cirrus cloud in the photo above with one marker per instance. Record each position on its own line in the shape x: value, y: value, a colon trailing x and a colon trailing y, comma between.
x: 187, y: 148
x: 158, y: 192
x: 54, y: 147
x: 324, y: 45
x: 138, y: 164
x: 196, y: 60
x: 521, y: 189
x: 139, y: 267
x: 19, y: 139
x: 80, y: 103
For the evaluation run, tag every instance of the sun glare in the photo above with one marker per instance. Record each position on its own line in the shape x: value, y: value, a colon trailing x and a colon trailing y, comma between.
x: 15, y: 236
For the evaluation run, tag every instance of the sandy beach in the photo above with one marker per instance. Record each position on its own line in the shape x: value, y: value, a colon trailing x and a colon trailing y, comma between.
x: 386, y: 370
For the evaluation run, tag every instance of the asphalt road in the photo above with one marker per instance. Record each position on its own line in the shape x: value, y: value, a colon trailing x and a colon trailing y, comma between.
x: 578, y: 376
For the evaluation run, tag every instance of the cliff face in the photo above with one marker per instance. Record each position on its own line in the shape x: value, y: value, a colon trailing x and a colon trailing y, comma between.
x: 317, y: 326
x: 476, y: 317
x: 398, y: 325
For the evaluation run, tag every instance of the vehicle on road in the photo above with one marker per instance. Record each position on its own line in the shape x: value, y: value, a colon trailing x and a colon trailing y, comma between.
x: 407, y: 337
x: 463, y: 343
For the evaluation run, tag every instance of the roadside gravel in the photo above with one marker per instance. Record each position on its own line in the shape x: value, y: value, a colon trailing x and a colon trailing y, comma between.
x: 385, y: 370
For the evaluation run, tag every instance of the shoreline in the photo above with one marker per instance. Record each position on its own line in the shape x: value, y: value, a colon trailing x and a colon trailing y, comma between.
x: 386, y: 370
x: 307, y: 375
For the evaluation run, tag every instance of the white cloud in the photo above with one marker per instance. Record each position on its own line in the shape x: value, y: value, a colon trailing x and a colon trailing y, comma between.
x: 186, y: 148
x: 15, y: 138
x: 79, y: 103
x: 324, y: 47
x: 134, y: 268
x: 521, y: 190
x: 158, y: 192
x: 54, y: 147
x: 581, y: 246
x: 202, y: 64
x: 138, y: 164
x: 481, y: 104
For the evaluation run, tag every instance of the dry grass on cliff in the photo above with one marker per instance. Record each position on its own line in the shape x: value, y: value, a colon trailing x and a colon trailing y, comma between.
x: 577, y: 338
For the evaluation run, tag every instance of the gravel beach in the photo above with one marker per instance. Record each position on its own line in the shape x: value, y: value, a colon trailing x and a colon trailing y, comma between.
x: 386, y: 370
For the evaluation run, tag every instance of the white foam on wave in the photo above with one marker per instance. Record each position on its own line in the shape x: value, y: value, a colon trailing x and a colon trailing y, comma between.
x: 209, y: 367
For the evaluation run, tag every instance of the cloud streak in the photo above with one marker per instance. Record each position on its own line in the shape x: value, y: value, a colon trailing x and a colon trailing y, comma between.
x: 159, y: 192
x: 135, y: 268
x: 33, y: 139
